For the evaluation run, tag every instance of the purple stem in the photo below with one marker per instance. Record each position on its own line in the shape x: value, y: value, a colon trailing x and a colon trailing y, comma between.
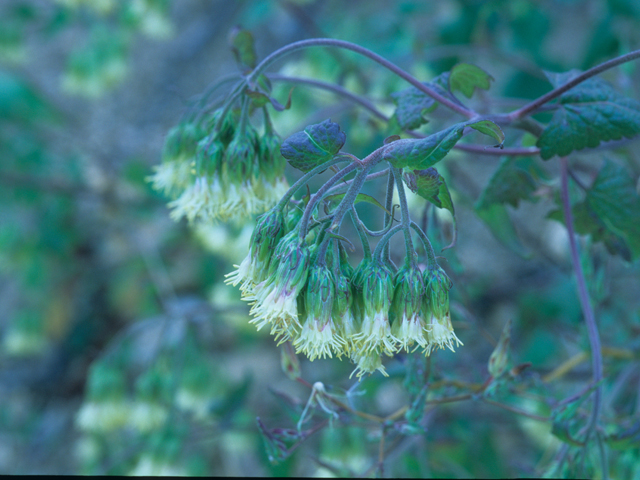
x: 585, y: 302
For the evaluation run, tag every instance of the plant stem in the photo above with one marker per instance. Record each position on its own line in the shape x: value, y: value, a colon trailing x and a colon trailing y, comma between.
x: 377, y: 253
x: 388, y: 204
x: 305, y: 179
x: 431, y: 255
x: 330, y: 42
x: 405, y: 218
x: 535, y: 104
x: 585, y: 302
x: 308, y: 211
x: 337, y: 89
x: 366, y: 248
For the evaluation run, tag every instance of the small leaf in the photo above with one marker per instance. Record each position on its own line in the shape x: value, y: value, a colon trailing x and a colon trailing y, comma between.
x: 314, y: 146
x: 491, y: 129
x: 423, y: 153
x: 466, y: 78
x: 412, y: 105
x: 589, y: 113
x: 243, y: 48
x: 289, y: 362
x: 431, y: 186
x: 500, y: 357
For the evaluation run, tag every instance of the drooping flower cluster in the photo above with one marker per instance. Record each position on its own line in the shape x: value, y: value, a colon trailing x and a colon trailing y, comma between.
x: 326, y: 308
x: 220, y: 169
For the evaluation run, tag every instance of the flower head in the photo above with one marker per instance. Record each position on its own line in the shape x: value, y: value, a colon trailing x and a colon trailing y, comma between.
x: 408, y: 324
x: 255, y: 267
x: 319, y: 336
x: 276, y: 297
x: 377, y: 294
x: 437, y: 286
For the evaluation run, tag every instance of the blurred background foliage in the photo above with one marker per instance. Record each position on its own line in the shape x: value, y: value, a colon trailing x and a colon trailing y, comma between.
x: 122, y: 351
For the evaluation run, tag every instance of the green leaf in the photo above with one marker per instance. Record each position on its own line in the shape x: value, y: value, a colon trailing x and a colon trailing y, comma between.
x: 614, y: 199
x: 491, y: 129
x: 497, y: 219
x: 610, y: 212
x: 513, y: 180
x: 423, y: 153
x: 314, y: 146
x: 590, y: 113
x: 412, y: 105
x: 19, y: 102
x: 466, y: 78
x: 243, y: 48
x: 431, y: 186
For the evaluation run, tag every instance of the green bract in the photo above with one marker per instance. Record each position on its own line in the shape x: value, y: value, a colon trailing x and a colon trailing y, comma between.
x: 314, y: 146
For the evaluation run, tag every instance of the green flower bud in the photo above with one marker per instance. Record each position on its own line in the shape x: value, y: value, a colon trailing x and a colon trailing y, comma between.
x: 272, y: 163
x: 209, y: 157
x: 227, y: 128
x: 240, y: 163
x: 343, y: 312
x: 276, y: 297
x: 264, y: 239
x: 436, y: 305
x: 318, y: 337
x: 377, y: 295
x: 437, y: 286
x: 408, y: 324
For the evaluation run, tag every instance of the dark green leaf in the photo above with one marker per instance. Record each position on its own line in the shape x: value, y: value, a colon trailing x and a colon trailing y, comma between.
x: 431, y: 186
x: 466, y: 78
x: 586, y: 222
x: 590, y: 113
x: 616, y: 202
x: 514, y: 180
x: 412, y: 104
x: 423, y: 153
x: 242, y: 45
x: 315, y: 145
x: 610, y: 213
x: 495, y: 216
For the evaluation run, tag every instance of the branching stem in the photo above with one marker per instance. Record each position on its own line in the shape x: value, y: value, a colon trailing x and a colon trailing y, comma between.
x: 531, y: 107
x: 330, y: 42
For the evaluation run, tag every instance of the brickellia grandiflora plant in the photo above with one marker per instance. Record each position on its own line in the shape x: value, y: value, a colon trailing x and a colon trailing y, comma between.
x: 298, y: 276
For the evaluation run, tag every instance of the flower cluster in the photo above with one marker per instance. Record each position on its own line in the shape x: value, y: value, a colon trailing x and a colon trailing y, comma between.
x: 327, y: 308
x: 228, y: 173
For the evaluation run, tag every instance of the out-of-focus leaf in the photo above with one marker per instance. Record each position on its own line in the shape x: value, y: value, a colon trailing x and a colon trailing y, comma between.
x: 590, y: 113
x: 513, y: 180
x: 466, y: 78
x: 242, y: 44
x: 616, y: 202
x: 624, y: 439
x: 19, y: 102
x: 500, y: 357
x: 315, y: 145
x: 416, y: 411
x: 495, y: 216
x: 610, y: 213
